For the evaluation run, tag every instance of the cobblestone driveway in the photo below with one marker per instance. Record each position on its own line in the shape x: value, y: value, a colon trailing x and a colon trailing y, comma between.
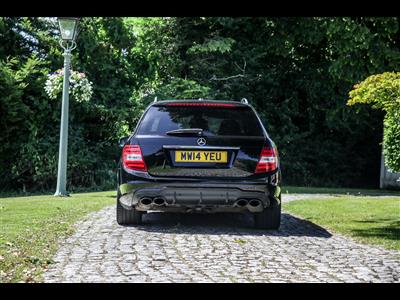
x: 215, y: 248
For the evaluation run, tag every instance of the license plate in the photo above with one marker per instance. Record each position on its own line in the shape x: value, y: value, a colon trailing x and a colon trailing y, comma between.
x: 201, y: 156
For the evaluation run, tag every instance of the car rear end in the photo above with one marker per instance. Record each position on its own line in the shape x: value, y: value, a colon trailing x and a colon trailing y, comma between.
x: 199, y: 156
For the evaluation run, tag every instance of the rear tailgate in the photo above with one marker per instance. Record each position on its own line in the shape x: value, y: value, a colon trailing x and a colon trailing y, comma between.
x: 229, y: 145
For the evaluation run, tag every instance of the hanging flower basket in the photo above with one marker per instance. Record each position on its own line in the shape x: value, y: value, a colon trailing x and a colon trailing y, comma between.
x: 81, y: 88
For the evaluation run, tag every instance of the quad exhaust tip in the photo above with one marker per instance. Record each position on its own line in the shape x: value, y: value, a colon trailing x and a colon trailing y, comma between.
x: 241, y: 203
x: 255, y: 205
x: 254, y: 202
x: 145, y: 201
x: 159, y: 201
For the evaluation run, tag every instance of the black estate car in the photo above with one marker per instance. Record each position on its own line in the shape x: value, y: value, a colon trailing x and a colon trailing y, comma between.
x: 199, y: 156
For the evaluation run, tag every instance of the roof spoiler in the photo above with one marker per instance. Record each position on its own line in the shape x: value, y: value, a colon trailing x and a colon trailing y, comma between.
x: 243, y: 100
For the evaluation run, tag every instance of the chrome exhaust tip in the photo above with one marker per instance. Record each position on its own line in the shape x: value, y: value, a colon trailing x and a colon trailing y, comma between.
x: 254, y: 202
x: 145, y: 201
x: 241, y: 203
x: 159, y: 201
x: 255, y: 205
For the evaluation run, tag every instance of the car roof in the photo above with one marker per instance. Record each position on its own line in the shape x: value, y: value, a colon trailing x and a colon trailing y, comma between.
x: 161, y: 102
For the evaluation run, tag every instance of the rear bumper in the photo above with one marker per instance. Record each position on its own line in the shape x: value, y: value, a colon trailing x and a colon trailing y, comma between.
x: 181, y: 196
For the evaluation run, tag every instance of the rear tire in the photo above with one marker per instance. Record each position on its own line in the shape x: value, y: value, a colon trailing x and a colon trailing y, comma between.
x: 127, y: 216
x: 269, y: 218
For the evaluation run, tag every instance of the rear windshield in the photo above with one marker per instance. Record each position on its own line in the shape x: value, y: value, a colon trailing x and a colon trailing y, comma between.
x: 236, y: 121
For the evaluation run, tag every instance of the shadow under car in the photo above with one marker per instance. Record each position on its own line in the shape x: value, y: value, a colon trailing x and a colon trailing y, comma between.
x: 226, y: 223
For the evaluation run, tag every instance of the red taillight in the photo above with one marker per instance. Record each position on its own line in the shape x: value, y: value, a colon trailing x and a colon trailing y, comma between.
x: 268, y: 160
x: 132, y: 158
x: 227, y: 105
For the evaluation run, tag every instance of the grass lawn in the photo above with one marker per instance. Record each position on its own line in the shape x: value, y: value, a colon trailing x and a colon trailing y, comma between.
x: 367, y: 219
x: 31, y: 226
x: 342, y: 191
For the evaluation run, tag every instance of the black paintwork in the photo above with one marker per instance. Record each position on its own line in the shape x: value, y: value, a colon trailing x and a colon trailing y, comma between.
x: 163, y: 173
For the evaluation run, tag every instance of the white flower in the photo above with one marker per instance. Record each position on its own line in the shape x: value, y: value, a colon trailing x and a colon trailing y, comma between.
x: 80, y: 87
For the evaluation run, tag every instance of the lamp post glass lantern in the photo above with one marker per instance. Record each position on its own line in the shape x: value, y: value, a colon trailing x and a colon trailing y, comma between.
x: 68, y: 28
x: 68, y: 31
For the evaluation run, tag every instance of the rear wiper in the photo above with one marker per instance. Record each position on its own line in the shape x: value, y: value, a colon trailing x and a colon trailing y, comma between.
x: 197, y: 131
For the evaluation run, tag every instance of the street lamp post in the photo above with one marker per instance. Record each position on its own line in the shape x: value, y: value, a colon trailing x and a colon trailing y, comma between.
x: 68, y: 30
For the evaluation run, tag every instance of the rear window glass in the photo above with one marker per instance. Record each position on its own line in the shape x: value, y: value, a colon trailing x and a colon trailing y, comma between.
x: 237, y: 121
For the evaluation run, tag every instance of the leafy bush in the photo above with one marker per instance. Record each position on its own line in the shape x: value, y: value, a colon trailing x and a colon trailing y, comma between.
x: 179, y: 88
x: 296, y: 72
x: 391, y: 141
x: 383, y: 92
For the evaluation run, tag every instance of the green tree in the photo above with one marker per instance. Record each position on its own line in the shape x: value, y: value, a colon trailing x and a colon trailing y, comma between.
x: 29, y: 51
x: 383, y: 92
x: 296, y: 72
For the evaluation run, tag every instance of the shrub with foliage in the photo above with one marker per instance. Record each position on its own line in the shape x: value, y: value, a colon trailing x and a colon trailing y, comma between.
x: 383, y: 92
x: 296, y: 72
x: 391, y: 141
x: 179, y: 88
x: 30, y: 120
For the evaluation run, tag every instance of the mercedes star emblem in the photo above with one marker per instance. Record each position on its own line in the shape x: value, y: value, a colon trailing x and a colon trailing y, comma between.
x: 201, y: 141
